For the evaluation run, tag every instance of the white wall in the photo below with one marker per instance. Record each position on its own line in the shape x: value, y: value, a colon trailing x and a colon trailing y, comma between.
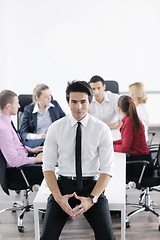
x: 55, y: 41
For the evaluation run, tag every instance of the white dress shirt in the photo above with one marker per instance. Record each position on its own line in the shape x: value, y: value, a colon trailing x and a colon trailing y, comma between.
x: 97, y: 147
x: 105, y: 111
x: 143, y: 115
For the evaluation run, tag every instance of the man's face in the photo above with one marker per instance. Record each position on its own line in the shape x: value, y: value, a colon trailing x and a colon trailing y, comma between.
x: 79, y: 104
x: 98, y: 90
x: 14, y: 106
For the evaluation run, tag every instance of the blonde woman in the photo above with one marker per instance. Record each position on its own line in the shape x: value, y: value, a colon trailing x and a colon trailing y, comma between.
x: 138, y: 94
x: 38, y: 116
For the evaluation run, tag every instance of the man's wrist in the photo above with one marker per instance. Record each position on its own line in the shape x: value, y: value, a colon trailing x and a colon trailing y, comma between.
x: 58, y: 197
x: 93, y: 198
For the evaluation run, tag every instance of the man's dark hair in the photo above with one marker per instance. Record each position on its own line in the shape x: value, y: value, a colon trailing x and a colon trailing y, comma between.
x: 96, y: 78
x: 79, y: 86
x: 6, y: 96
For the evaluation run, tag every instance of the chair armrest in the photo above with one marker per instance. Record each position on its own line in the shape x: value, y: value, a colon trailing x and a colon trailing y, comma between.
x: 30, y: 173
x: 30, y: 166
x: 142, y: 162
x: 153, y: 147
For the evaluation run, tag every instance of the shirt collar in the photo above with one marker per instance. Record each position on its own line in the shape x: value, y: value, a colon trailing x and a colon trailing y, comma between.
x: 36, y: 108
x: 74, y: 121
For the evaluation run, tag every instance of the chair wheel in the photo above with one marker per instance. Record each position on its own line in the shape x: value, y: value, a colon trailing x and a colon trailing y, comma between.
x: 18, y: 191
x: 128, y: 224
x: 21, y: 229
x: 14, y: 205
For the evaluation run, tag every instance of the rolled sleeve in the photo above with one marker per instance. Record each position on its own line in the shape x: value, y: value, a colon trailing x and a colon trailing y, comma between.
x: 50, y: 151
x: 106, y: 153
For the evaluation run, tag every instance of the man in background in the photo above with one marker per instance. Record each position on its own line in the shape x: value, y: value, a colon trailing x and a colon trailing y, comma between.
x: 104, y: 103
x: 10, y: 143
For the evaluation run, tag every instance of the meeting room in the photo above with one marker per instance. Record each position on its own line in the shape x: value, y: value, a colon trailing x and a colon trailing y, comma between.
x: 79, y: 119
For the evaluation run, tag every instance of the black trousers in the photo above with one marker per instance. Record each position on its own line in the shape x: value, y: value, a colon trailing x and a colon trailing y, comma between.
x: 98, y: 215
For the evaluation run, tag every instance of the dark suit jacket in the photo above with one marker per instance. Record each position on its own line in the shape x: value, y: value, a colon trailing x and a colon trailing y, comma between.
x: 29, y: 121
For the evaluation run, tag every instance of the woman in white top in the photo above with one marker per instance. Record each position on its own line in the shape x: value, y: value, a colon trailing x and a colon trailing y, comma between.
x: 138, y: 93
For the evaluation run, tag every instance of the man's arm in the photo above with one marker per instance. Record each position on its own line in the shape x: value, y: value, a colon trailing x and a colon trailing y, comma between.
x: 51, y: 181
x: 101, y: 184
x: 15, y: 156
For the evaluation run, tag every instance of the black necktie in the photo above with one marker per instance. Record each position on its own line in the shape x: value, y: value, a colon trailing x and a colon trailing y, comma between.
x: 20, y: 139
x: 79, y: 182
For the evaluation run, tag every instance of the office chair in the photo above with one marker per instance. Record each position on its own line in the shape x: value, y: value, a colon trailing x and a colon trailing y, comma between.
x: 20, y: 178
x: 24, y: 100
x: 112, y: 86
x: 145, y: 184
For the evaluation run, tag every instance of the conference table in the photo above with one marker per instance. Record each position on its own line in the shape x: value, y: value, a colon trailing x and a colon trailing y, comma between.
x: 115, y: 192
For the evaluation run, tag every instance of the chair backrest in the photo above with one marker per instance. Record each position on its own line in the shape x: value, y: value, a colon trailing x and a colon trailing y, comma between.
x: 157, y: 161
x: 3, y: 173
x: 155, y: 154
x: 112, y: 86
x: 24, y: 100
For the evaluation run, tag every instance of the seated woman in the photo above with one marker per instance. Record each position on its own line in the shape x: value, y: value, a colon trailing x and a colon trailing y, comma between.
x: 138, y: 94
x: 38, y: 116
x: 132, y: 139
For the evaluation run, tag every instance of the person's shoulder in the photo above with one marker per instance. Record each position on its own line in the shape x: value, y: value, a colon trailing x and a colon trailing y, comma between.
x: 128, y: 120
x: 97, y: 122
x: 112, y: 97
x: 54, y: 102
x: 141, y: 107
x: 3, y: 127
x: 110, y: 94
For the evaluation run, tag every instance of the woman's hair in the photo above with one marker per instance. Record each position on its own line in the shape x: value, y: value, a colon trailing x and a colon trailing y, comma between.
x: 79, y: 86
x: 138, y: 90
x: 6, y: 96
x: 128, y: 107
x: 38, y: 90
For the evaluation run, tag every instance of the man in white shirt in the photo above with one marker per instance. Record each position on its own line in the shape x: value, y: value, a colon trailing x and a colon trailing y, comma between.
x: 104, y: 103
x: 97, y: 158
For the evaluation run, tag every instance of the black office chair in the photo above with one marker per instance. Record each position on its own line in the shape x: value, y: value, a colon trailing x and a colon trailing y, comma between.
x: 24, y: 100
x: 112, y: 86
x: 146, y: 184
x: 21, y: 178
